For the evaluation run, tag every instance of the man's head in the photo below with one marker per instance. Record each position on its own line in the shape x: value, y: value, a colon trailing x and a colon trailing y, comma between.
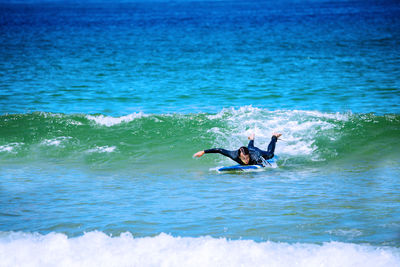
x: 244, y: 155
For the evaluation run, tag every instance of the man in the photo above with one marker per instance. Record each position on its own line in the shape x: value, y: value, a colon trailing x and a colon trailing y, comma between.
x: 249, y: 155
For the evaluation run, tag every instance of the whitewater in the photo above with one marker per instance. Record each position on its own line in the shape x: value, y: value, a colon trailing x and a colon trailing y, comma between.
x: 98, y: 249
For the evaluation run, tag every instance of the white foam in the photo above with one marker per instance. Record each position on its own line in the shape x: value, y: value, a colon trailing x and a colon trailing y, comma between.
x: 352, y: 233
x: 10, y: 147
x: 72, y: 122
x: 215, y: 168
x: 299, y: 128
x: 334, y: 116
x: 215, y: 130
x: 102, y: 149
x: 55, y: 141
x: 99, y: 249
x: 6, y: 148
x: 110, y: 121
x: 50, y: 114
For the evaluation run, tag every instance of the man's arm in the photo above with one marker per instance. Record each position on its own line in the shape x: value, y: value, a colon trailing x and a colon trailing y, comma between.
x: 227, y: 153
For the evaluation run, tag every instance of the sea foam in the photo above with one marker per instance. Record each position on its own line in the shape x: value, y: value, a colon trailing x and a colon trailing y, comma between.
x: 55, y: 141
x: 10, y: 147
x: 99, y: 249
x: 299, y: 128
x: 111, y: 121
x: 102, y: 149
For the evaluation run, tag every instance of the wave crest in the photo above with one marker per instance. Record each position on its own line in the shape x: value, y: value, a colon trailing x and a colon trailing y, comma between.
x: 111, y: 121
x: 308, y: 136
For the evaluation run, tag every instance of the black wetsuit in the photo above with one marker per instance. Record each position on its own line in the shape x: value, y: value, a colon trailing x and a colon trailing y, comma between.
x: 255, y: 152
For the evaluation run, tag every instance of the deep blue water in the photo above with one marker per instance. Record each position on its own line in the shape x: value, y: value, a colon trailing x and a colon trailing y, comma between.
x: 116, y: 59
x: 102, y: 106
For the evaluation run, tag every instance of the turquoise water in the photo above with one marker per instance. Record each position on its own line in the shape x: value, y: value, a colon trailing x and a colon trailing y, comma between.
x: 117, y: 59
x: 103, y: 105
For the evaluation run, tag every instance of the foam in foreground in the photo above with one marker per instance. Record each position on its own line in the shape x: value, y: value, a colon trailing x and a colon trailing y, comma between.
x: 99, y: 249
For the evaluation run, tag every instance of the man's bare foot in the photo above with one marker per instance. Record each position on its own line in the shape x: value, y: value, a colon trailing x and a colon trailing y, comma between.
x: 251, y: 136
x: 277, y: 135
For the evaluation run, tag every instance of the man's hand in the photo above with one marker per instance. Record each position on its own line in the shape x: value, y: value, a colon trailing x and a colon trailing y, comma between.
x: 199, y: 154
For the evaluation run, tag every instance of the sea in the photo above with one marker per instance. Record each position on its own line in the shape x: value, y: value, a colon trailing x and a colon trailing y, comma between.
x: 104, y: 103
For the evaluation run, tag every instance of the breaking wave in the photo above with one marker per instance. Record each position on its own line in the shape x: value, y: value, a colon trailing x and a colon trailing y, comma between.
x: 308, y: 136
x: 99, y: 249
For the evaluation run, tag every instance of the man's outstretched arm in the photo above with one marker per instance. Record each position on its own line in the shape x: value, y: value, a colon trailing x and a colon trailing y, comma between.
x: 227, y: 153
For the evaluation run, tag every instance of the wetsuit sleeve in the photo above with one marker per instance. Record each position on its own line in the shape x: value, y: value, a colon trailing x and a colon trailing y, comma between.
x: 251, y: 144
x: 271, y: 148
x: 227, y: 153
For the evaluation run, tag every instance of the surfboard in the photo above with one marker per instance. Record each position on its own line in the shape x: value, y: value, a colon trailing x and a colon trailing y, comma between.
x: 241, y: 168
x: 248, y: 168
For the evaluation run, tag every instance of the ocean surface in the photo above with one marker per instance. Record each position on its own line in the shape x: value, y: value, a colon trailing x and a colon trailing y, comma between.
x: 103, y: 104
